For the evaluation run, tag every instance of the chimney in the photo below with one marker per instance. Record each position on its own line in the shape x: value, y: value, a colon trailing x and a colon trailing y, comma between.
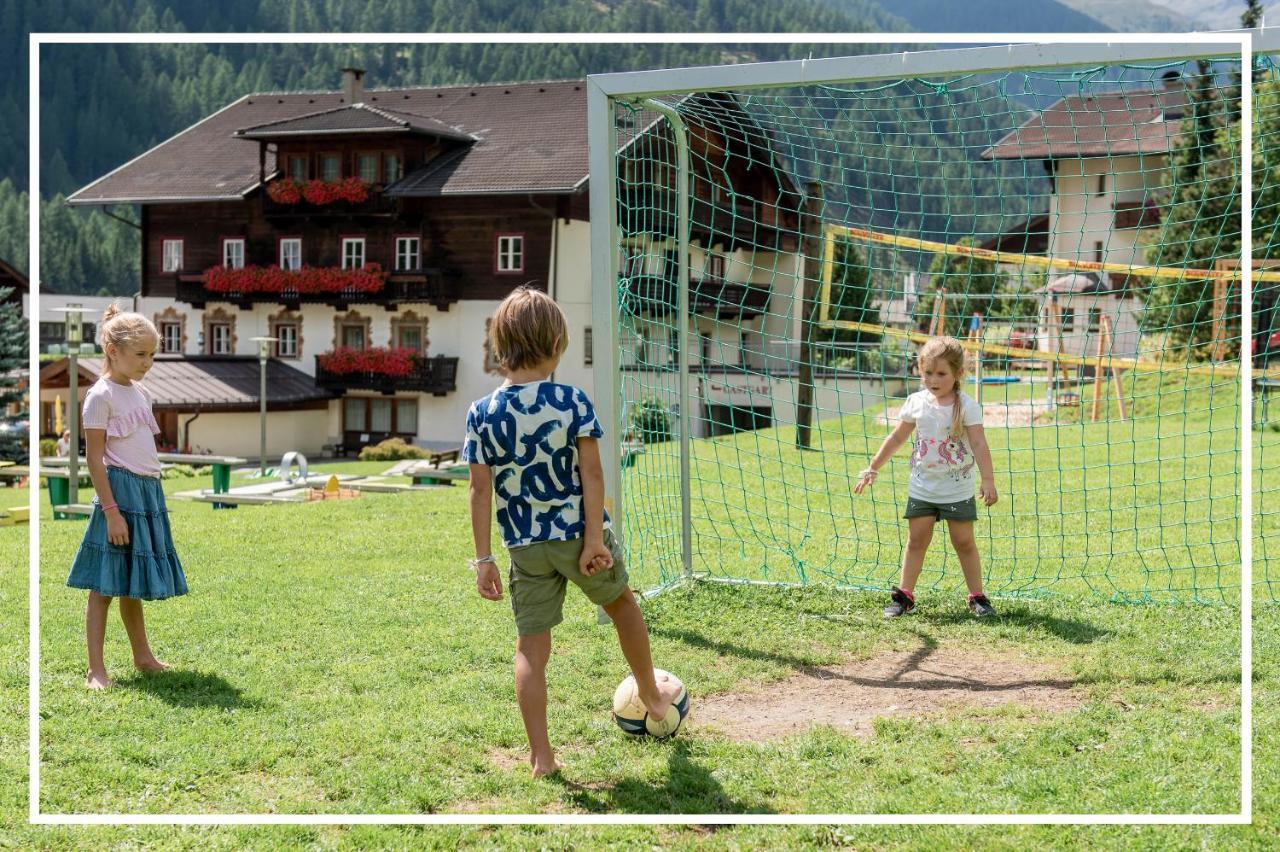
x: 353, y: 84
x: 1173, y: 81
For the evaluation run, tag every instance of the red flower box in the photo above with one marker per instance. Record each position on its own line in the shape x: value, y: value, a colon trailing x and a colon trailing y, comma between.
x: 398, y: 362
x: 309, y: 279
x: 290, y: 191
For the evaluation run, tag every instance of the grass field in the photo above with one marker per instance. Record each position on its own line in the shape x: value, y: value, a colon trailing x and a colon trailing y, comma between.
x: 334, y: 658
x: 1145, y: 508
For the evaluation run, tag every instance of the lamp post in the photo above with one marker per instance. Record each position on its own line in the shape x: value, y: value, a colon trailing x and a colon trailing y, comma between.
x: 74, y: 333
x: 264, y: 354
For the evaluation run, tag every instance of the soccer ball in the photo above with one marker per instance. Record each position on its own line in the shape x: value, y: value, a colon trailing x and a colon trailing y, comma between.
x: 630, y: 713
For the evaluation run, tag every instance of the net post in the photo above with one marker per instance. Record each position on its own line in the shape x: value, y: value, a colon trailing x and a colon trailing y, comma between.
x: 975, y: 335
x: 1099, y: 371
x: 680, y: 132
x: 814, y: 255
x: 1115, y: 373
x: 602, y: 138
x: 938, y: 327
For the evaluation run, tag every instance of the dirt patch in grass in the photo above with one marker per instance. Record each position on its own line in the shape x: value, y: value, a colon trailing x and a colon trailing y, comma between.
x: 912, y: 683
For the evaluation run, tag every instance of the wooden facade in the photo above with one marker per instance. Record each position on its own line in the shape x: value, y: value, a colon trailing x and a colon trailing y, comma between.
x: 457, y: 234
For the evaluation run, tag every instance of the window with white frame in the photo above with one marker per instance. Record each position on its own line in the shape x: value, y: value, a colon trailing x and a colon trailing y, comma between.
x: 286, y: 334
x: 220, y: 338
x: 171, y: 337
x: 291, y: 253
x: 511, y: 253
x: 352, y: 252
x: 233, y: 254
x: 408, y: 253
x: 172, y: 255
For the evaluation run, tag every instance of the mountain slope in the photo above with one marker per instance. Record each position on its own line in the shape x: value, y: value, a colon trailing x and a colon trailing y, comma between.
x: 1006, y: 16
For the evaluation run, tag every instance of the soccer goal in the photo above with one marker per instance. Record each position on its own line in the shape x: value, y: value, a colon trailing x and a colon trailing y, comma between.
x: 772, y: 242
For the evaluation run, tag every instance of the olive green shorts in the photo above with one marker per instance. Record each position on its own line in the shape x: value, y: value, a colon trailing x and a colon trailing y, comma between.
x: 540, y: 573
x: 961, y: 510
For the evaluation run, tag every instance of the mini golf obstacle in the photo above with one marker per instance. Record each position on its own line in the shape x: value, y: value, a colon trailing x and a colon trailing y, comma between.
x: 294, y: 482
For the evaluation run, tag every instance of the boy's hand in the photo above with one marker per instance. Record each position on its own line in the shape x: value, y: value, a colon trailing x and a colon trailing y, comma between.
x: 987, y: 490
x: 868, y: 479
x: 595, y: 558
x: 488, y: 581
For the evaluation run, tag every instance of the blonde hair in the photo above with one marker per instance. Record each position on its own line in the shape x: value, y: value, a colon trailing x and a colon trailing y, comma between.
x: 949, y: 350
x: 528, y: 328
x: 119, y: 327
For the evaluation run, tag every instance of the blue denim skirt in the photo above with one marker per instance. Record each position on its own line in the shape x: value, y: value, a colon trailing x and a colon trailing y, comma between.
x: 147, y: 567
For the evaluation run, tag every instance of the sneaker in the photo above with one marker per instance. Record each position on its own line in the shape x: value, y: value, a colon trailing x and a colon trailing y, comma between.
x: 980, y: 606
x: 900, y: 603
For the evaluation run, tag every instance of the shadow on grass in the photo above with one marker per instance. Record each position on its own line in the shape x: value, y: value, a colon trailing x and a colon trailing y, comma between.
x: 1072, y: 630
x: 190, y: 689
x: 689, y: 788
x: 728, y: 649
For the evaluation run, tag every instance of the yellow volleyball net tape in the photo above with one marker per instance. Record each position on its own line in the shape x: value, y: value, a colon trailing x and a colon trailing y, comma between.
x: 1225, y: 369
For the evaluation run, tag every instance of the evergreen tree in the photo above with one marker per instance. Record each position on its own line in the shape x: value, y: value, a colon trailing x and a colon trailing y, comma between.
x: 13, y: 357
x: 852, y: 295
x: 961, y: 275
x: 1202, y: 220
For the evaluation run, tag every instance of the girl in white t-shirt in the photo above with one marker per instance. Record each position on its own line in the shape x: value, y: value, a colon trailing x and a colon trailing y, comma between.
x: 127, y: 551
x: 949, y: 444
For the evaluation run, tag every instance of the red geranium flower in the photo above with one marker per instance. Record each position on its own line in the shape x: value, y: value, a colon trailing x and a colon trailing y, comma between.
x: 377, y: 360
x: 318, y: 192
x: 309, y: 280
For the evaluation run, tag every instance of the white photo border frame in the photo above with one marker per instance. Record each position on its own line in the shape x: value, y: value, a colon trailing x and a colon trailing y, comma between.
x: 1242, y: 39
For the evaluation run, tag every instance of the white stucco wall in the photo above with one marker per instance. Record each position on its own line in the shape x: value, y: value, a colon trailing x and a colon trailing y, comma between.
x: 1080, y: 216
x: 238, y: 433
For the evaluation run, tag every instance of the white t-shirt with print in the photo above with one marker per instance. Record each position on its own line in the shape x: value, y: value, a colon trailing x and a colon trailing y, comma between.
x: 941, y: 465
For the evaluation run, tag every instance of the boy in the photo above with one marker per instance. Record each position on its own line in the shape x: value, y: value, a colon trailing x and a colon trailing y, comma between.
x: 533, y: 442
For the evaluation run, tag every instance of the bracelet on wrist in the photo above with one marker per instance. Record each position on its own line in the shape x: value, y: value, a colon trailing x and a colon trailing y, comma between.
x: 110, y: 506
x: 481, y: 560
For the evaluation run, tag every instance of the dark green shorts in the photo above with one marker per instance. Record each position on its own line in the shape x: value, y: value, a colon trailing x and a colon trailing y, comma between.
x: 540, y: 573
x: 963, y: 510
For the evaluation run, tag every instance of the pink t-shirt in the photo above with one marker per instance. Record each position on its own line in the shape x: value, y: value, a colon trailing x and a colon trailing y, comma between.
x: 125, y: 412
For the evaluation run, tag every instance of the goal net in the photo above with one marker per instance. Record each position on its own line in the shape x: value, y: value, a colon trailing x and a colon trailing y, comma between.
x: 781, y: 248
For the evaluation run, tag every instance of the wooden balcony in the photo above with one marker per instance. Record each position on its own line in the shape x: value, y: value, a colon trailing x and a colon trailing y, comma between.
x: 657, y: 295
x: 437, y: 376
x: 1136, y: 214
x: 437, y: 287
x: 376, y: 206
x: 742, y: 222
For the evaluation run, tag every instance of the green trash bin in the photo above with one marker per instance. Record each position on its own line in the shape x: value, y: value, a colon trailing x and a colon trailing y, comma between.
x: 59, y: 494
x: 222, y: 484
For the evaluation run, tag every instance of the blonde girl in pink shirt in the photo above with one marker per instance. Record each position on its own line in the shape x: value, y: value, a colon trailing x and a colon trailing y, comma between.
x: 127, y: 551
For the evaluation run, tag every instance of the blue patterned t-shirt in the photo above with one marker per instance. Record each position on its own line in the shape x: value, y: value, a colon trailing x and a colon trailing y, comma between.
x: 528, y: 436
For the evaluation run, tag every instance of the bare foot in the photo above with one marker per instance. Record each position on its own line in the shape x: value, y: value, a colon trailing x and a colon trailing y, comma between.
x: 668, y: 692
x: 151, y: 665
x: 542, y: 768
x: 98, y: 680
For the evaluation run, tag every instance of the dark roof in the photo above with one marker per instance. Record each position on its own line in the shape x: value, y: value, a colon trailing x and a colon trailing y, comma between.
x: 10, y: 277
x: 1030, y: 236
x: 530, y: 137
x: 1099, y: 125
x: 356, y: 118
x: 207, y: 383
